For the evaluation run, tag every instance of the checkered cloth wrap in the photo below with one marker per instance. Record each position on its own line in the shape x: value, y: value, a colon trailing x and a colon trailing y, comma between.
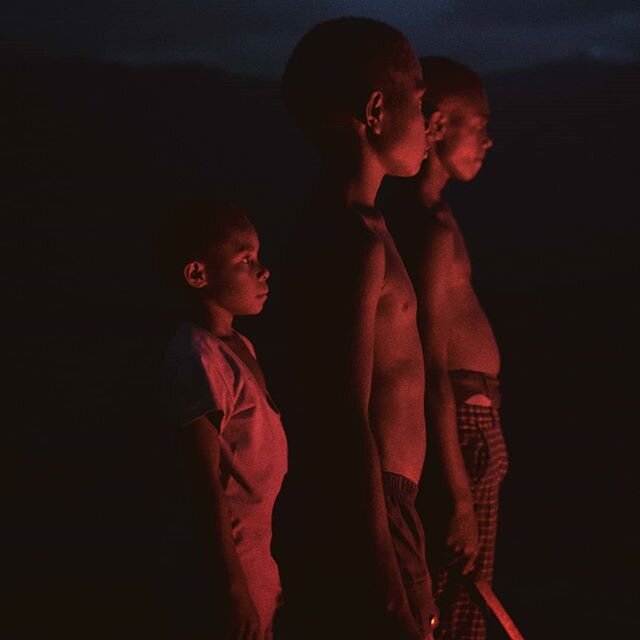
x: 485, y: 458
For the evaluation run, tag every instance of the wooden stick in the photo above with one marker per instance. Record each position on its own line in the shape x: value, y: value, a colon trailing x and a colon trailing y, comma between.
x: 491, y: 600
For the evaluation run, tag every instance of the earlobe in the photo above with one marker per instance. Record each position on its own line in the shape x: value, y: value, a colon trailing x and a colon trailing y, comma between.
x: 374, y: 112
x: 195, y: 274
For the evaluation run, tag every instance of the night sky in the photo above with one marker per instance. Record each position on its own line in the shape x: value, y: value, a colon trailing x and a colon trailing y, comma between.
x: 255, y: 36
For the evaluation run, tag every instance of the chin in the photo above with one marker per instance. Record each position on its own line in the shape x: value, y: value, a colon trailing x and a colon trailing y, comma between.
x: 467, y: 176
x: 409, y: 172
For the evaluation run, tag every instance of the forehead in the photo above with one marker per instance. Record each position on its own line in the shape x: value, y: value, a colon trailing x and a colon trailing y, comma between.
x: 468, y: 106
x: 239, y: 235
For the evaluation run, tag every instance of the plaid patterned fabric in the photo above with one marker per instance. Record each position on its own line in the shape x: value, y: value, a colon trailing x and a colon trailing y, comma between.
x: 485, y: 457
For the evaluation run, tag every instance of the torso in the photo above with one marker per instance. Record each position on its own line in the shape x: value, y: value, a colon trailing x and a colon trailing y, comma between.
x: 238, y: 345
x: 396, y: 408
x: 223, y: 377
x: 321, y: 254
x: 472, y: 343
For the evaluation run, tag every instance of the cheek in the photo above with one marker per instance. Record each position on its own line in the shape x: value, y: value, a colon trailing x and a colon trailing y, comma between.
x: 461, y: 149
x: 417, y: 124
x: 227, y: 287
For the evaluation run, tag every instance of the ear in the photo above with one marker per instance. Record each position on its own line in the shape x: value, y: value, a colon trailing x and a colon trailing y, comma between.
x: 374, y: 112
x: 437, y: 126
x: 195, y: 274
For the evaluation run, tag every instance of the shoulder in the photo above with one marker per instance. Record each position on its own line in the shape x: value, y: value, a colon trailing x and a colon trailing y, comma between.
x: 191, y: 341
x: 438, y: 237
x: 354, y: 237
x: 194, y: 352
x: 366, y: 228
x: 365, y: 253
x: 436, y: 255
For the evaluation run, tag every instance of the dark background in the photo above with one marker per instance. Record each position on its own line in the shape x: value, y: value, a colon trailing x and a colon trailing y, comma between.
x: 95, y: 152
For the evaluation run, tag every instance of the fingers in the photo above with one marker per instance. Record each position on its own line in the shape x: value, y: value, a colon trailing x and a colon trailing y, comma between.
x: 469, y: 564
x: 463, y: 557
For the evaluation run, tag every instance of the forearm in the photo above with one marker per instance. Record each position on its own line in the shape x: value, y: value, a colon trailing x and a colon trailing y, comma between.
x: 384, y: 558
x: 202, y: 454
x: 222, y: 555
x: 442, y: 424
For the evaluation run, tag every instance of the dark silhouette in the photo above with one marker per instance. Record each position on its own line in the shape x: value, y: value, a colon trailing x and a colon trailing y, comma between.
x: 355, y: 383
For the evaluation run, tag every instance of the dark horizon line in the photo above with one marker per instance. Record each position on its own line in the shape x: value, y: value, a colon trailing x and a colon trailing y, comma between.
x: 14, y: 58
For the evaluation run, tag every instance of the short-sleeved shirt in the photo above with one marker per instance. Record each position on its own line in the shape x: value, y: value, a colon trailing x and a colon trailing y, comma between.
x: 207, y: 378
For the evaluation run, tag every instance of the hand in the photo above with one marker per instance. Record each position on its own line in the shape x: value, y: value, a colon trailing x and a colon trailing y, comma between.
x: 243, y: 622
x: 400, y: 627
x: 463, y: 541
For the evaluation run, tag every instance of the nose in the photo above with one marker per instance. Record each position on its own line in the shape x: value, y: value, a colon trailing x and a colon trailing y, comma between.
x: 488, y: 142
x: 263, y: 272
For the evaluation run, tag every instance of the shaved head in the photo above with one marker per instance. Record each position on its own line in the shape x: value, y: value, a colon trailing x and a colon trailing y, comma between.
x: 336, y: 66
x: 446, y: 80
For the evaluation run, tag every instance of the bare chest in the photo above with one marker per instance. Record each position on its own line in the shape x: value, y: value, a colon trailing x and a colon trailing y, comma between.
x: 397, y: 304
x: 460, y: 274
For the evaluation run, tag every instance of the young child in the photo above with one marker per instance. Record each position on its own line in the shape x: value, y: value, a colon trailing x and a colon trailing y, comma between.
x: 461, y: 356
x: 236, y: 447
x: 357, y: 437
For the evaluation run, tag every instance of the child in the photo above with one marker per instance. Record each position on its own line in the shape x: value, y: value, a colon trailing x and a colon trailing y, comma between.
x: 236, y: 446
x: 358, y: 438
x: 461, y: 356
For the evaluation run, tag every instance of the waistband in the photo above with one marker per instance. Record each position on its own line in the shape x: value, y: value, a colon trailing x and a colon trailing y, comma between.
x: 395, y: 484
x: 467, y: 383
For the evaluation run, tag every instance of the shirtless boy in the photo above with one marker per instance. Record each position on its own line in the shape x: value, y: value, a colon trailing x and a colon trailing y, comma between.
x: 461, y: 356
x: 235, y: 444
x: 358, y: 439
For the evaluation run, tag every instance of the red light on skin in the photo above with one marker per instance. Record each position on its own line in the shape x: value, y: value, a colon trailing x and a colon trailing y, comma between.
x: 232, y: 277
x: 463, y: 140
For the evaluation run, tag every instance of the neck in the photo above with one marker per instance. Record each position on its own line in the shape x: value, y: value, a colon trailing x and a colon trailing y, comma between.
x: 356, y: 177
x: 431, y: 182
x: 214, y: 319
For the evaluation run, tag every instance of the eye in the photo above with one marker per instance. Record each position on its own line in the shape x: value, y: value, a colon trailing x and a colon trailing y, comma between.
x: 246, y: 260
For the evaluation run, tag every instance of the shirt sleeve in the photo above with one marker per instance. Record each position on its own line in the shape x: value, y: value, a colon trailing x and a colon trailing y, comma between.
x: 197, y: 388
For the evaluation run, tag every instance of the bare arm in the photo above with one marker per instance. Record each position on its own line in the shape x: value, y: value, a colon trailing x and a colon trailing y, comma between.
x: 203, y: 454
x: 437, y: 261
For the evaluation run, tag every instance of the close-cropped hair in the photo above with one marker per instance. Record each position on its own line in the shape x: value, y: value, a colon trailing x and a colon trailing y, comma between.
x: 337, y: 64
x: 190, y: 231
x: 445, y: 78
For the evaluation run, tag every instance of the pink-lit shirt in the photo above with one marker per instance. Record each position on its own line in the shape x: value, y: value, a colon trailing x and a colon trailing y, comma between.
x: 208, y: 379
